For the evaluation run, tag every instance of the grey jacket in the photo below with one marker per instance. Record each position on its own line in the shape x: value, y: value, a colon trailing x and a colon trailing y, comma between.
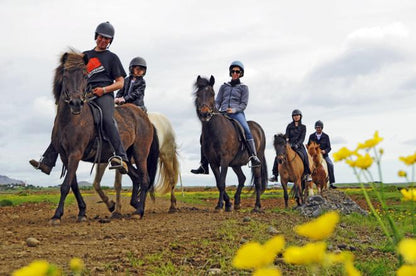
x: 235, y: 97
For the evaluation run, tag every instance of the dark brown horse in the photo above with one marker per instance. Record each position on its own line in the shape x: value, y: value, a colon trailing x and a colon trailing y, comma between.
x: 74, y: 134
x: 290, y: 168
x: 222, y: 146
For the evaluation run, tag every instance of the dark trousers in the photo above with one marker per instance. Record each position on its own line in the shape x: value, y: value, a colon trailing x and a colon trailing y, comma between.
x: 330, y: 170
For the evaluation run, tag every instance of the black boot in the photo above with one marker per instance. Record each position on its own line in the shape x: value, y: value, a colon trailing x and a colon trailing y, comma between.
x: 251, y: 147
x: 331, y: 186
x: 203, y: 169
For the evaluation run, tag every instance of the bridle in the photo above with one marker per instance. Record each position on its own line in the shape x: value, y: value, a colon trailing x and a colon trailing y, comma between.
x: 206, y: 111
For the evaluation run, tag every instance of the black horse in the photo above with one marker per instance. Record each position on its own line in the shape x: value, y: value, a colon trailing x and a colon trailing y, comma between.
x: 222, y: 146
x: 74, y: 133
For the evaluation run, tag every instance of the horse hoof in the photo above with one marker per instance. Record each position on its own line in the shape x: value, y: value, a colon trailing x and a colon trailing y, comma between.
x: 237, y: 207
x: 54, y: 222
x: 112, y: 206
x: 218, y: 210
x: 257, y: 210
x: 82, y: 219
x: 116, y: 215
x: 172, y: 210
x: 228, y: 209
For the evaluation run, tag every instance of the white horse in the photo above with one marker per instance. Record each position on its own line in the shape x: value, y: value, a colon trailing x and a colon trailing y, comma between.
x: 168, y: 167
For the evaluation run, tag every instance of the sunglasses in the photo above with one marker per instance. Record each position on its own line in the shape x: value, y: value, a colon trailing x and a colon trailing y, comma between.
x: 235, y: 71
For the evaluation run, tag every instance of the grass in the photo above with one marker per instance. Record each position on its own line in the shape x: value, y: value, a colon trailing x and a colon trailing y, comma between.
x: 360, y: 234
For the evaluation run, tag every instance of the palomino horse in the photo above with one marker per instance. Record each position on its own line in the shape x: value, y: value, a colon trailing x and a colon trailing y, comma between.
x: 319, y: 168
x: 74, y: 133
x: 222, y: 146
x: 168, y: 167
x: 290, y: 168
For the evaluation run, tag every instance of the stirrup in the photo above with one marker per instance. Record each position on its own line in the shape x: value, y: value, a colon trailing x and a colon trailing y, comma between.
x: 119, y: 165
x: 251, y: 162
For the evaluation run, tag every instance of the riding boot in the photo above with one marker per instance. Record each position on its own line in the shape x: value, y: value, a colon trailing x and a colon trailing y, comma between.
x: 251, y: 147
x: 48, y: 160
x: 275, y: 171
x: 203, y: 169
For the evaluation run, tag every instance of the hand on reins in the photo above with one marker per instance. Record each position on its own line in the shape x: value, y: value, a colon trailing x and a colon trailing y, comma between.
x: 98, y: 91
x: 119, y: 101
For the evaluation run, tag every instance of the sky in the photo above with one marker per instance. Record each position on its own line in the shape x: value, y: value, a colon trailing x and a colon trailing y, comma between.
x: 350, y: 64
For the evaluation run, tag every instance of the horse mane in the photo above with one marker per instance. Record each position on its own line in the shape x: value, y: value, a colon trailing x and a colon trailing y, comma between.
x: 72, y: 59
x: 279, y: 139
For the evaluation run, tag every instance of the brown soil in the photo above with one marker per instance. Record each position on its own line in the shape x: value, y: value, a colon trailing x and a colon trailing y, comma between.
x: 101, y: 241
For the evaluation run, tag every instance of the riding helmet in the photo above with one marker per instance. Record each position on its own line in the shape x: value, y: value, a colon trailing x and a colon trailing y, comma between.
x: 138, y: 61
x: 297, y: 112
x: 319, y: 124
x: 238, y: 64
x: 105, y: 29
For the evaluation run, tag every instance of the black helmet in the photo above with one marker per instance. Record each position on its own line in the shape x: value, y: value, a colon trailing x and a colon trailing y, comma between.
x: 138, y: 61
x: 238, y: 64
x: 105, y: 29
x: 319, y: 124
x: 296, y: 112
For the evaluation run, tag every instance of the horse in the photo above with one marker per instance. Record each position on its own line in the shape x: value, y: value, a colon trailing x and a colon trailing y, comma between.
x: 222, y: 147
x: 290, y: 168
x: 74, y: 133
x: 168, y: 167
x: 319, y: 168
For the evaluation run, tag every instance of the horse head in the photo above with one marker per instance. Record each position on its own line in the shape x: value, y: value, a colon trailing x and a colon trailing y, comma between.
x: 279, y: 144
x: 313, y: 149
x: 205, y: 98
x: 70, y: 84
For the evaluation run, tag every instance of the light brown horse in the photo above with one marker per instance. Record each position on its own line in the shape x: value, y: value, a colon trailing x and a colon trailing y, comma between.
x: 290, y: 168
x: 74, y: 133
x: 319, y: 168
x: 168, y: 167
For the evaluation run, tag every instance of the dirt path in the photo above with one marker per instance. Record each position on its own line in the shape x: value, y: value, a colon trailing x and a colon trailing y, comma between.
x: 100, y: 242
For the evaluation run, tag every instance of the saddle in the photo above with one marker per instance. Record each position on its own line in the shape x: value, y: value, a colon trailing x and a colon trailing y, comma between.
x: 239, y: 129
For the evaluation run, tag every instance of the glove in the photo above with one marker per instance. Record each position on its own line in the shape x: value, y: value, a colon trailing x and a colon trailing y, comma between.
x: 295, y: 146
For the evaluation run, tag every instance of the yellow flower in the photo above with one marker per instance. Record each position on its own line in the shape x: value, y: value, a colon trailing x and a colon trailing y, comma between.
x: 76, y: 265
x: 409, y: 194
x: 269, y: 271
x: 254, y: 255
x: 320, y: 228
x: 39, y: 267
x: 311, y: 253
x: 371, y: 143
x: 341, y: 154
x: 381, y: 151
x: 407, y: 248
x: 351, y: 270
x: 364, y: 162
x: 406, y: 270
x: 408, y: 160
x: 343, y: 257
x: 402, y: 173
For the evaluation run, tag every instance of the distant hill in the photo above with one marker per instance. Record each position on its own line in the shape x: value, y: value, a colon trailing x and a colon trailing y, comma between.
x: 4, y: 180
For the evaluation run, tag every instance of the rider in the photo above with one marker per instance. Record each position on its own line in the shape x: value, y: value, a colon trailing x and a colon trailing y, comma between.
x: 134, y: 84
x: 295, y: 133
x: 322, y: 139
x: 232, y: 98
x: 105, y: 75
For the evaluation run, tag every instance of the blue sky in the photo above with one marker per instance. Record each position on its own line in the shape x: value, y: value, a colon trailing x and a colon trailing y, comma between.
x: 350, y: 64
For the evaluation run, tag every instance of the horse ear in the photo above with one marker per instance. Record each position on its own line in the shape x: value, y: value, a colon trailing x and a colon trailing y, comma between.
x: 85, y: 58
x: 63, y: 58
x: 198, y: 78
x: 212, y: 81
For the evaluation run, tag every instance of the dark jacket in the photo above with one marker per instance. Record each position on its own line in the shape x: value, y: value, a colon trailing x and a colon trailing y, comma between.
x: 296, y: 135
x: 324, y: 142
x: 133, y: 92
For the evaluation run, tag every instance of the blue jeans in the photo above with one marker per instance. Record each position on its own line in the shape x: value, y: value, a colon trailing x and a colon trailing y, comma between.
x: 241, y: 118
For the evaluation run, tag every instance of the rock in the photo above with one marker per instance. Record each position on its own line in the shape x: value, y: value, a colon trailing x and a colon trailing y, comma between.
x: 214, y: 271
x: 246, y: 219
x: 273, y: 231
x: 32, y: 242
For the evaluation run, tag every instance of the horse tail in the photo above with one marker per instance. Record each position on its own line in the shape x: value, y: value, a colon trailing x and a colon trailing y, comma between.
x: 152, y: 161
x: 168, y: 166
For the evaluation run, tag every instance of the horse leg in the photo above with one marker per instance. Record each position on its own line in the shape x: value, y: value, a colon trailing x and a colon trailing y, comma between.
x: 220, y: 186
x: 310, y: 188
x: 257, y: 182
x: 143, y: 183
x: 285, y: 194
x: 71, y: 166
x: 172, y: 208
x: 241, y: 179
x: 99, y: 172
x: 117, y: 187
x: 81, y: 203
